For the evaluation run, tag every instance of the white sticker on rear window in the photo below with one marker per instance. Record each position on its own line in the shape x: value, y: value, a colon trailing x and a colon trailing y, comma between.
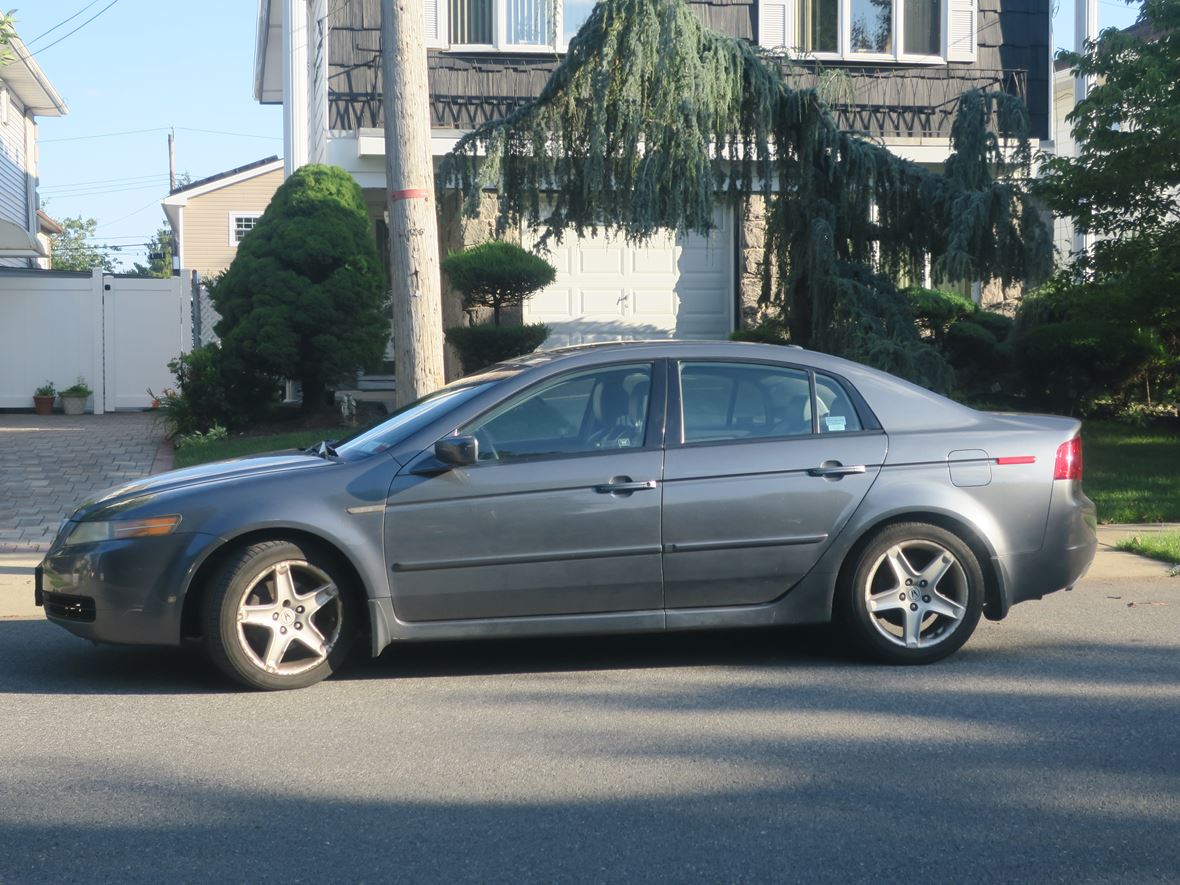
x: 834, y: 422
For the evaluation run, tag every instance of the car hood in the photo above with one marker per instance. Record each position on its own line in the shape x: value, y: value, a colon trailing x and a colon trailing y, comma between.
x: 129, y: 494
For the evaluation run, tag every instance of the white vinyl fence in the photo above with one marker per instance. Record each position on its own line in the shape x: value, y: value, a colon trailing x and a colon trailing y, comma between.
x: 118, y: 333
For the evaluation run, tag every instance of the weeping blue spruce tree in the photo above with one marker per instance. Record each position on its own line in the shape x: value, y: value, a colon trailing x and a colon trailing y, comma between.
x: 651, y: 117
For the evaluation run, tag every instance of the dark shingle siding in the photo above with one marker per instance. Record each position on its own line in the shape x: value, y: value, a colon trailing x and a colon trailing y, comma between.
x: 466, y: 90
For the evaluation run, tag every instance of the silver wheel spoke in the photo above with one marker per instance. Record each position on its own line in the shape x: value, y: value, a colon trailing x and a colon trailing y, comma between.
x: 937, y: 570
x: 258, y: 615
x: 284, y: 585
x: 276, y: 649
x: 887, y: 601
x: 311, y: 637
x: 913, y: 628
x: 900, y: 565
x: 940, y: 605
x: 318, y: 598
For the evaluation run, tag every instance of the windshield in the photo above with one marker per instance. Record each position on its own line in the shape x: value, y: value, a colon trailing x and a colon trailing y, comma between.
x: 411, y: 418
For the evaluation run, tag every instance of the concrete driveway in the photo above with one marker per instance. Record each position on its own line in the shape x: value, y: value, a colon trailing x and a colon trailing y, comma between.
x: 50, y: 464
x: 1044, y: 751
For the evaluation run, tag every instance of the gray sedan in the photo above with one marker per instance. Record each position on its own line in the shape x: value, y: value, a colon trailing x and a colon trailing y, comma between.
x: 599, y: 489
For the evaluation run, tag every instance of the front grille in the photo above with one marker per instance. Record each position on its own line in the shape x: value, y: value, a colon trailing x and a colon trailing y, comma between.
x: 68, y: 607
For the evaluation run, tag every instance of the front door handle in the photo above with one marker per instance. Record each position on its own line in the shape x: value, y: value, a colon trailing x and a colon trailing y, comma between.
x: 624, y: 484
x: 835, y: 469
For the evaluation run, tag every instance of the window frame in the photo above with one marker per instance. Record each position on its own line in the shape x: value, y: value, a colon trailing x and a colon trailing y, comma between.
x: 674, y: 430
x: 654, y: 430
x: 233, y: 226
x: 898, y: 56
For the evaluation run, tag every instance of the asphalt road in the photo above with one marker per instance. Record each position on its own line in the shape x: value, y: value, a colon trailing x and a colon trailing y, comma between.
x: 1047, y: 750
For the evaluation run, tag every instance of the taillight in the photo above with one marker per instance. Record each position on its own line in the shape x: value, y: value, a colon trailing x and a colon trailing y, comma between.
x: 1069, y: 460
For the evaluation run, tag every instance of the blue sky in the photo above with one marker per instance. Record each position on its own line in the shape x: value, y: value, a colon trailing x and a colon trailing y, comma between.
x: 150, y: 65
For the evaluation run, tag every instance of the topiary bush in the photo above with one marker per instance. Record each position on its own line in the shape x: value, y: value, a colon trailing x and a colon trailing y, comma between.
x: 305, y: 297
x: 935, y: 310
x: 482, y: 346
x: 497, y: 275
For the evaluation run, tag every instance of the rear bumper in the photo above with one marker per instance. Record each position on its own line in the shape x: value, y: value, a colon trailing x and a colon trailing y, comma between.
x: 1071, y: 540
x: 125, y: 592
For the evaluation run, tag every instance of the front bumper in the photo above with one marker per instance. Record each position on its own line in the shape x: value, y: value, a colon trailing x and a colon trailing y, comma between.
x: 128, y: 592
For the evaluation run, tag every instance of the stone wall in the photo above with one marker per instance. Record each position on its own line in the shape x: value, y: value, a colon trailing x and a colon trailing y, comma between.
x: 755, y: 276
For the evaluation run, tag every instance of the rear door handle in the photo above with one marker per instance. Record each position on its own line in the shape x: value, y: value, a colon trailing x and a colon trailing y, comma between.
x: 612, y: 487
x: 836, y: 470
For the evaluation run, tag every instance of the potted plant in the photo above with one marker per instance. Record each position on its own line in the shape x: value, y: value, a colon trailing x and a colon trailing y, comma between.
x: 43, y: 398
x: 73, y: 398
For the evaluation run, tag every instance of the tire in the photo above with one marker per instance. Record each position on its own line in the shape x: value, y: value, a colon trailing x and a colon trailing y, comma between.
x: 912, y: 594
x: 278, y: 615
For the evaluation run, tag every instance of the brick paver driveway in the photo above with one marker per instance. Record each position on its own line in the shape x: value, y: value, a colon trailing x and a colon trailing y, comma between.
x: 50, y: 464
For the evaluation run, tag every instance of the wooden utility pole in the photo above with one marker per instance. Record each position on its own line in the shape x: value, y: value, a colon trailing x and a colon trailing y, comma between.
x: 413, y: 228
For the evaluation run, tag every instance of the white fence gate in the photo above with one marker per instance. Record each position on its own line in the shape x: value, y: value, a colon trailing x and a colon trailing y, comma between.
x: 118, y: 333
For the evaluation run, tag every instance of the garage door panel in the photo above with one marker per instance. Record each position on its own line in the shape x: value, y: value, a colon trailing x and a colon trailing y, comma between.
x: 607, y: 289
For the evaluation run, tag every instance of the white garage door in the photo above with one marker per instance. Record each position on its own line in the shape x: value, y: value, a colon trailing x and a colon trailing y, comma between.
x: 668, y: 287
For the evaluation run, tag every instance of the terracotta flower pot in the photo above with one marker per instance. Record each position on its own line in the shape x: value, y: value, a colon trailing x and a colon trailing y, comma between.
x: 43, y: 405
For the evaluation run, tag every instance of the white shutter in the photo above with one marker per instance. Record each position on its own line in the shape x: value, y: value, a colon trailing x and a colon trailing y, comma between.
x: 775, y: 23
x: 436, y: 23
x: 961, y: 17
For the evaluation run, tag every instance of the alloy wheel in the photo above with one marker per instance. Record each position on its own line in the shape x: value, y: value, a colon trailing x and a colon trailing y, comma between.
x: 289, y: 618
x: 916, y: 594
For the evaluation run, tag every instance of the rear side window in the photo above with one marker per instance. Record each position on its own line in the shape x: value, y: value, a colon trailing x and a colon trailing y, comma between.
x: 836, y: 412
x: 731, y: 401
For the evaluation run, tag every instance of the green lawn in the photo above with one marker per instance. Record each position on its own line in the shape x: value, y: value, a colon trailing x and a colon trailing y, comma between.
x: 1164, y: 546
x: 236, y: 447
x: 1132, y: 474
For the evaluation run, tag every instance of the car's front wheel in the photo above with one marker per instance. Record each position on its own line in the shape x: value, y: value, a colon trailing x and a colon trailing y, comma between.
x: 913, y: 595
x: 277, y: 616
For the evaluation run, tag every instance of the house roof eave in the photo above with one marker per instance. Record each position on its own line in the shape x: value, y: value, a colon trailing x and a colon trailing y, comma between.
x: 25, y: 79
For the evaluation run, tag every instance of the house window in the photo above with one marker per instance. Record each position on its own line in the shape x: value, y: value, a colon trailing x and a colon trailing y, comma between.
x: 239, y: 226
x: 900, y: 30
x: 507, y: 25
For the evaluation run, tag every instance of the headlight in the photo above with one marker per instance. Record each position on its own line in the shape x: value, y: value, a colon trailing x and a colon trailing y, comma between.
x: 119, y: 529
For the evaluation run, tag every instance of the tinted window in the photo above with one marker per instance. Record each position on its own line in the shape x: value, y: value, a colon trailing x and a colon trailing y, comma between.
x: 722, y: 401
x: 594, y: 410
x: 836, y: 412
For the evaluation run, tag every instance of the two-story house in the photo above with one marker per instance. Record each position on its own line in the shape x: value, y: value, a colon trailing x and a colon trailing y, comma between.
x: 908, y: 61
x: 25, y: 94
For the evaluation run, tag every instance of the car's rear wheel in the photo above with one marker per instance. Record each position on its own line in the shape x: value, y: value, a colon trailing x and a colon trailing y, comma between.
x: 278, y: 616
x: 912, y: 595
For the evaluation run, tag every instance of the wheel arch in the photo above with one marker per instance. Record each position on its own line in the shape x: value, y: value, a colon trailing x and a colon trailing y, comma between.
x: 995, y: 605
x: 194, y: 590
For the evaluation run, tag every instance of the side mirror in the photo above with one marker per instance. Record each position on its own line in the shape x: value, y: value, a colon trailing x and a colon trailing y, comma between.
x: 457, y: 451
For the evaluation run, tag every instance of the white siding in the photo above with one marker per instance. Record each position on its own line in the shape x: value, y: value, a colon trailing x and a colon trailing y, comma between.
x: 14, y: 165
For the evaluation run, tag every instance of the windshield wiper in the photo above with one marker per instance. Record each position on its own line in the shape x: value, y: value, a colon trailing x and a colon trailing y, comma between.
x: 322, y: 449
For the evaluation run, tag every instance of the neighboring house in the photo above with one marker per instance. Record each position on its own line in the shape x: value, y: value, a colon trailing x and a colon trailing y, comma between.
x: 25, y: 94
x: 908, y: 63
x: 209, y: 217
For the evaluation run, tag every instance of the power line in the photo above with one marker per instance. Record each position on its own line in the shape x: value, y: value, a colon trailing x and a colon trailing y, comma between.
x: 102, y: 135
x: 85, y: 192
x: 235, y: 134
x: 60, y: 23
x: 76, y: 30
x: 128, y: 180
x: 147, y: 205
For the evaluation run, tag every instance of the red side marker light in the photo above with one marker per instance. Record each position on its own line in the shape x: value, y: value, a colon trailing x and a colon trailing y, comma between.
x: 1017, y: 459
x: 1069, y: 460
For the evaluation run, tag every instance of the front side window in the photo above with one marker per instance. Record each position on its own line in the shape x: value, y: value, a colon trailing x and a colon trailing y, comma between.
x: 735, y: 401
x: 603, y: 409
